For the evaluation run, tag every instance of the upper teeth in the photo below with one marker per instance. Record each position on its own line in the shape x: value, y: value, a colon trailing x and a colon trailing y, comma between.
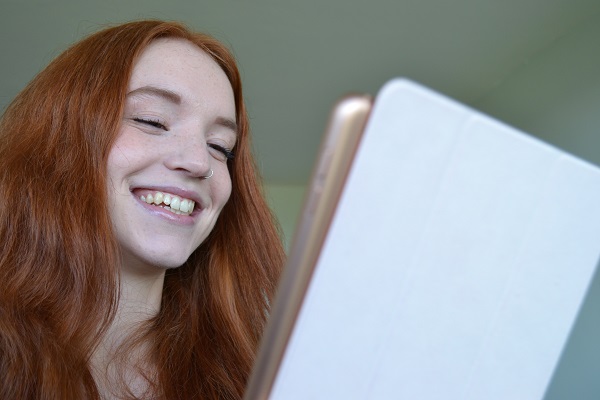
x: 171, y: 202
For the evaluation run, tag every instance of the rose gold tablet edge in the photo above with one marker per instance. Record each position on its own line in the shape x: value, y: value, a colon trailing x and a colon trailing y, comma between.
x: 339, y: 145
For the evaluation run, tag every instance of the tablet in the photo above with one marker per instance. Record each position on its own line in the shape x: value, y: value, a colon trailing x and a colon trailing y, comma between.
x: 452, y: 264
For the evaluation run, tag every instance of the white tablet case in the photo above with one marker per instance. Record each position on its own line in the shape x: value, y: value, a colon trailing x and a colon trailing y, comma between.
x: 455, y: 265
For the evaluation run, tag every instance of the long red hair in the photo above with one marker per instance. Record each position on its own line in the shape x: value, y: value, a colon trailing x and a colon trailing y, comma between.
x: 59, y: 262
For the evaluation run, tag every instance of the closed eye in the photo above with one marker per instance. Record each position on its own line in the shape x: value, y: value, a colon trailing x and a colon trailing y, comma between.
x: 152, y: 122
x: 222, y: 153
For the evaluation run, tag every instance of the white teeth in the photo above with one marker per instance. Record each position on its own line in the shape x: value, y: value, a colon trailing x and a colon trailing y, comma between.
x: 184, y: 206
x: 171, y: 203
x: 175, y: 203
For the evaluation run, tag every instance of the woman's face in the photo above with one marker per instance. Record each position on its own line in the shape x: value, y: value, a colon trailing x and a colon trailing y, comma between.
x: 178, y: 126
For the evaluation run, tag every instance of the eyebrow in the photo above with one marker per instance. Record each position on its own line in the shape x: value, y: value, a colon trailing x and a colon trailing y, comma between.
x: 227, y: 123
x: 155, y: 91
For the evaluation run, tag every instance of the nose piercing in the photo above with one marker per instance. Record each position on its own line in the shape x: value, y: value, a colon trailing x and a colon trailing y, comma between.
x: 209, y: 175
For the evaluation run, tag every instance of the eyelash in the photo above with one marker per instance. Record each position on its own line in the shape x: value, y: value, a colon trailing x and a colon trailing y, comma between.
x: 226, y: 152
x: 152, y: 122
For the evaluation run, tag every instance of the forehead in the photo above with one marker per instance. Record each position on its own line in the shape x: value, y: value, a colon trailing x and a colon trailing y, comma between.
x: 182, y: 67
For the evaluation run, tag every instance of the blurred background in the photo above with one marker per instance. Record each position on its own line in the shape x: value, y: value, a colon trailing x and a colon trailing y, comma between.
x: 534, y: 64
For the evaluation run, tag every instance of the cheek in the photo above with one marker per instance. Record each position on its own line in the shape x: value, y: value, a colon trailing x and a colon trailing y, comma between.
x: 118, y: 158
x: 117, y: 163
x: 113, y: 165
x: 128, y: 146
x: 221, y: 189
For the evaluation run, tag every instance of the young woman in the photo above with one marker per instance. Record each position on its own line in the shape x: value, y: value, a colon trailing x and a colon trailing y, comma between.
x: 138, y: 254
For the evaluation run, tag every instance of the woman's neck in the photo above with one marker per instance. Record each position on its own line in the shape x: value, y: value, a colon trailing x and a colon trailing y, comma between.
x: 141, y: 294
x: 139, y: 301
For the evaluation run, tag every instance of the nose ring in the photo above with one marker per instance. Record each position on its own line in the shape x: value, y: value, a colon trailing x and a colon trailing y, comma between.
x: 209, y: 175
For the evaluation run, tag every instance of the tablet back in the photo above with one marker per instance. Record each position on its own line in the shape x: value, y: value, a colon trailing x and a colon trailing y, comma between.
x: 455, y: 264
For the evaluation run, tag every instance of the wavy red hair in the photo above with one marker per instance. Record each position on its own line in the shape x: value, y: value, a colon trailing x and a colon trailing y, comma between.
x: 59, y: 262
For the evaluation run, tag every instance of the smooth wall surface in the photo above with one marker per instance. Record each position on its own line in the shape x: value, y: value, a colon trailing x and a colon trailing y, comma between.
x: 556, y: 95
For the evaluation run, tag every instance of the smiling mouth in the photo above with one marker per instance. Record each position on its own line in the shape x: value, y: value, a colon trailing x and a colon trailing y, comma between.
x: 170, y: 202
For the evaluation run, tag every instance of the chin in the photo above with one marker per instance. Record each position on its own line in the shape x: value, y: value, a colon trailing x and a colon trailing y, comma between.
x: 171, y: 264
x: 155, y: 259
x: 168, y: 261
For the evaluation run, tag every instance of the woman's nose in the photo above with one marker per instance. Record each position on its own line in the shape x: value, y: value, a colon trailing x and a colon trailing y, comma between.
x: 189, y: 156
